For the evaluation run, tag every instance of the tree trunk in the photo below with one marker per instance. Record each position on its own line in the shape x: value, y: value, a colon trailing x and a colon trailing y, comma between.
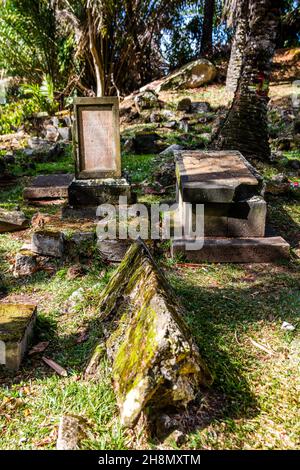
x: 98, y: 63
x: 207, y: 34
x: 238, y: 47
x: 245, y: 127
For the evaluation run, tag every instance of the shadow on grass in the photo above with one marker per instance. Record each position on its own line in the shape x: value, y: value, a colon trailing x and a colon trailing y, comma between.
x: 281, y: 221
x: 221, y: 321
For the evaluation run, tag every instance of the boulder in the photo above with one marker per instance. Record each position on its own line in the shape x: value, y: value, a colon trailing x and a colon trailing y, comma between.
x: 185, y: 105
x: 146, y: 100
x: 11, y: 221
x: 192, y: 75
x: 155, y: 362
x: 68, y: 433
x: 65, y: 133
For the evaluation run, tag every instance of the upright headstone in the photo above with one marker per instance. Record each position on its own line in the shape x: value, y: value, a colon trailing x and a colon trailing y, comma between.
x: 97, y: 153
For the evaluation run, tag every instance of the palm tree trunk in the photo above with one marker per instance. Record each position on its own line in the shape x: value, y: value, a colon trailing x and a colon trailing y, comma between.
x: 238, y: 47
x: 245, y: 127
x: 207, y: 33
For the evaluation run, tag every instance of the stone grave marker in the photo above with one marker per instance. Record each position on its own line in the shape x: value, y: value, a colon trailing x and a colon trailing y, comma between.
x: 97, y: 138
x: 231, y: 192
x: 97, y: 155
x: 16, y: 330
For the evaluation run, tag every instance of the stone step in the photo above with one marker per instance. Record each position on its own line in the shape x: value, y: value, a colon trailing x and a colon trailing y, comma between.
x: 232, y: 250
x: 49, y: 187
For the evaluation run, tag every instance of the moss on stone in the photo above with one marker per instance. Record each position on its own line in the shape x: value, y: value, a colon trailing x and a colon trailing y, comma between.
x: 14, y: 320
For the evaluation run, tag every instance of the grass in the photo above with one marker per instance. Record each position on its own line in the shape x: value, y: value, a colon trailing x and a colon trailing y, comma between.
x: 36, y: 396
x: 254, y: 402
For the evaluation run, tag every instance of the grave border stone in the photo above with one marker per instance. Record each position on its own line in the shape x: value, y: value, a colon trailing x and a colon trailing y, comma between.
x: 81, y: 104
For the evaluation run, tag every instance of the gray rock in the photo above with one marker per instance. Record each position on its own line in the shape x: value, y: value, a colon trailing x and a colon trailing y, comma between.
x: 155, y: 117
x: 185, y: 105
x: 36, y: 142
x: 200, y: 107
x: 172, y: 149
x: 113, y: 251
x: 168, y: 115
x: 171, y: 124
x: 26, y: 264
x: 68, y: 433
x: 48, y: 243
x: 65, y: 133
x: 52, y: 133
x: 184, y: 125
x: 146, y: 100
x: 73, y: 302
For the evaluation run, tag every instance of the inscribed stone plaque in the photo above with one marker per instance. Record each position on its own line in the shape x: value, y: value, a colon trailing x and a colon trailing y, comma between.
x: 98, y: 138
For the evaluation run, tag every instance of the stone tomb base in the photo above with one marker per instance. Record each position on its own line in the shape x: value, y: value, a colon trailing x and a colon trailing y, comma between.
x: 233, y: 250
x: 235, y: 212
x: 16, y: 331
x: 86, y: 195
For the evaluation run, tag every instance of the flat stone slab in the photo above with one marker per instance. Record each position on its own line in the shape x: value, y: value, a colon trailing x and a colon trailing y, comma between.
x: 234, y: 250
x: 49, y: 187
x: 94, y: 192
x: 215, y: 176
x: 11, y: 221
x: 16, y: 329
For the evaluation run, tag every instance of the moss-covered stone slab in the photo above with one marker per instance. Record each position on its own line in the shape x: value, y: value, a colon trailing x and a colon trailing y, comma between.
x: 155, y: 362
x: 16, y: 329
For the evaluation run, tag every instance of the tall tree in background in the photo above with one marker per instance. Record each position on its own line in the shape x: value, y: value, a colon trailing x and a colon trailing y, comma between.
x: 245, y: 127
x: 236, y: 14
x: 207, y: 32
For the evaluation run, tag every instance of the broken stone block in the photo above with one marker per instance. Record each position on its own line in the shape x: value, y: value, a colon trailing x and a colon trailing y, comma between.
x: 26, y: 263
x: 16, y: 331
x: 68, y: 433
x: 155, y: 362
x: 113, y: 250
x: 11, y: 221
x: 47, y: 243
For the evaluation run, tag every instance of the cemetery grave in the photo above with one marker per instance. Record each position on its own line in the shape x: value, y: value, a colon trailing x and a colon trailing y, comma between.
x: 186, y: 334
